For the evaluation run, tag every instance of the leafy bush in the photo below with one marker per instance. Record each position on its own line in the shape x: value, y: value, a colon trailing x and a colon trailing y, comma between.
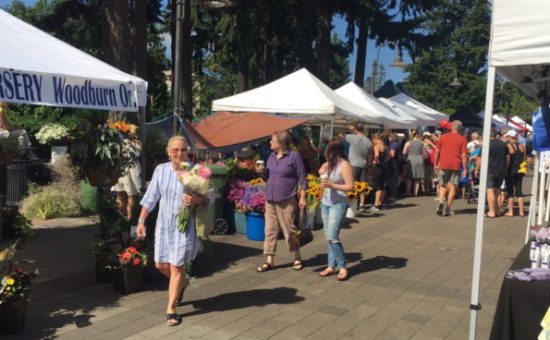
x: 61, y: 198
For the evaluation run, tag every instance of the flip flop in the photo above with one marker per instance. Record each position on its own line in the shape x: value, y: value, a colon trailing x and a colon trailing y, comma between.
x: 264, y: 268
x: 343, y: 277
x: 297, y: 265
x: 487, y: 215
x: 327, y: 272
x: 173, y: 319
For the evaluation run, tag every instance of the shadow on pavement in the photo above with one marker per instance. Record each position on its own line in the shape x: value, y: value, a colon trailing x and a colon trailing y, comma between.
x: 218, y: 256
x: 378, y: 262
x: 244, y: 299
x: 466, y: 211
x: 320, y: 260
x: 399, y: 205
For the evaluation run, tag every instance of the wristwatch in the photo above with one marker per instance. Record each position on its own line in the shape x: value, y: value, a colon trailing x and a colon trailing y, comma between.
x: 141, y: 220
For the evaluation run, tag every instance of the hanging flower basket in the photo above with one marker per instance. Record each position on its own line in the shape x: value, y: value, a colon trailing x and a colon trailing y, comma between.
x: 12, y: 315
x: 102, y: 177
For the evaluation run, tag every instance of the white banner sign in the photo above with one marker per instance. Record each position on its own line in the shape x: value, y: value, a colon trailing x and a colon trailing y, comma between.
x: 68, y: 91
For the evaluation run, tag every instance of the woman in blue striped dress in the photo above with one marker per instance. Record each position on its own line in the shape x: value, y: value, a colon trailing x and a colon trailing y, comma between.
x: 172, y: 248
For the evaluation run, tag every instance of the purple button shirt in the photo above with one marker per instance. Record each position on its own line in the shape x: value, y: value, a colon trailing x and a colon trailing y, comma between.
x: 284, y: 175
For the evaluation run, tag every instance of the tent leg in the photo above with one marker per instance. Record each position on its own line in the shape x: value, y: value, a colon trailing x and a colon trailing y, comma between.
x: 532, y: 219
x: 141, y: 120
x: 332, y: 128
x: 474, y: 301
x: 542, y: 188
x: 320, y: 135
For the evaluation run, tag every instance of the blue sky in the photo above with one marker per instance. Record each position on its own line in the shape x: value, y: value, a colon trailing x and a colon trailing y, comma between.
x: 387, y: 55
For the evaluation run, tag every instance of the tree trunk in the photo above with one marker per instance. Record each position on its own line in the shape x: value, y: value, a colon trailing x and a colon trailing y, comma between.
x: 139, y: 38
x: 116, y: 35
x: 324, y: 41
x: 361, y: 53
x: 267, y: 50
x: 242, y: 55
x: 186, y: 53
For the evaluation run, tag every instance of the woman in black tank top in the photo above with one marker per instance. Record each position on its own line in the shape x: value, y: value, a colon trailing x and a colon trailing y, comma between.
x: 380, y: 171
x: 514, y: 179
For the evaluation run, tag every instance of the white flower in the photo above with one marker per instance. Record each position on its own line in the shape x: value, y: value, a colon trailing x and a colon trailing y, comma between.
x: 52, y: 132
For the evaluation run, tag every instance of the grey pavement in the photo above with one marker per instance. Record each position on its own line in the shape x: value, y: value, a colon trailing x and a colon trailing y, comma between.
x: 410, y: 279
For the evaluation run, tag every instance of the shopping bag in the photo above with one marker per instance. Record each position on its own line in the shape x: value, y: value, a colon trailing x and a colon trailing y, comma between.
x: 303, y: 235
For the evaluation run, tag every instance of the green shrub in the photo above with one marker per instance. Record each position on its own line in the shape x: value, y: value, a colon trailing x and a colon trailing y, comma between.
x: 61, y: 198
x: 51, y: 201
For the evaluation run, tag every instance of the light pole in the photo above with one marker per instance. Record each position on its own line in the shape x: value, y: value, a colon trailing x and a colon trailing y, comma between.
x: 398, y: 62
x: 183, y: 9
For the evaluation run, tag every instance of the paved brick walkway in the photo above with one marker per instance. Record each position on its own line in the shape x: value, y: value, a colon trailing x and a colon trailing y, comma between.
x: 411, y: 279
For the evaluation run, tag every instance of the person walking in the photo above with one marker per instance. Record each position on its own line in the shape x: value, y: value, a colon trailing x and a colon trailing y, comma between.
x: 417, y: 154
x: 360, y: 156
x: 499, y: 160
x: 396, y: 167
x: 284, y: 170
x: 173, y: 249
x: 514, y: 177
x: 337, y: 179
x: 450, y: 154
x: 380, y: 171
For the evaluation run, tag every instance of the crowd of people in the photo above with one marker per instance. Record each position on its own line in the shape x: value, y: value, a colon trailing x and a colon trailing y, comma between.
x: 419, y: 164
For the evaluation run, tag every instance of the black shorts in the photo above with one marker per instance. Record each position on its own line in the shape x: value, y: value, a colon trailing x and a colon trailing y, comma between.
x: 359, y: 173
x: 494, y: 181
x: 380, y: 175
x: 513, y: 185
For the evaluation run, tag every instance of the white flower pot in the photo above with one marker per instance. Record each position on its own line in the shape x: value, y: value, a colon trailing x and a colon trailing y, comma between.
x: 352, y: 209
x: 58, y: 153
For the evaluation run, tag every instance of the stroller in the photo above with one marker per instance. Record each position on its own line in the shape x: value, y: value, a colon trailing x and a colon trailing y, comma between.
x: 472, y: 191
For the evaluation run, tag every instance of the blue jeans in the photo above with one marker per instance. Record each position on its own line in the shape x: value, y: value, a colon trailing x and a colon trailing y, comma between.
x: 333, y: 215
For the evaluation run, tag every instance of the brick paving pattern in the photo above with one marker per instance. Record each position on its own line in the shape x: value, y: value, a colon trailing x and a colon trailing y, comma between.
x: 410, y: 279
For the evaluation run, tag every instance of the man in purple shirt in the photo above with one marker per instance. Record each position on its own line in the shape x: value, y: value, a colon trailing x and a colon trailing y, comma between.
x: 284, y: 170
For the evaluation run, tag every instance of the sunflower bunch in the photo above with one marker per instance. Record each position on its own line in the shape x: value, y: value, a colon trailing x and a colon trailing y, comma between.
x: 359, y: 188
x: 313, y: 191
x: 257, y: 182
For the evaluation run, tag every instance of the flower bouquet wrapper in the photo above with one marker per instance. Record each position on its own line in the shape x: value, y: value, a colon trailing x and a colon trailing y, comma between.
x: 196, y: 182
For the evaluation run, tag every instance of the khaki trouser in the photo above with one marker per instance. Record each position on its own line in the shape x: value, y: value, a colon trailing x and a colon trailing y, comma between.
x: 280, y: 215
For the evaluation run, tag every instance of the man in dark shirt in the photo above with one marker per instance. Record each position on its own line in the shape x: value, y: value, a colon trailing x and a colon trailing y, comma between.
x: 499, y: 158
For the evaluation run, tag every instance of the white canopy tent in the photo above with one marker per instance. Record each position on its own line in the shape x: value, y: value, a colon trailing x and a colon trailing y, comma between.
x: 521, y: 122
x: 422, y: 119
x: 298, y: 94
x: 520, y: 51
x: 414, y: 104
x: 387, y: 115
x: 499, y: 122
x: 36, y: 68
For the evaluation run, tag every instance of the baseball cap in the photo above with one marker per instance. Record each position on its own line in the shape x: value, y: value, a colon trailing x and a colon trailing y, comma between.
x: 427, y: 133
x: 511, y: 133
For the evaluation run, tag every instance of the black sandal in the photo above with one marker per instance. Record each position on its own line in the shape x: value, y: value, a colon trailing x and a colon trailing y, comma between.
x: 173, y: 317
x: 264, y: 268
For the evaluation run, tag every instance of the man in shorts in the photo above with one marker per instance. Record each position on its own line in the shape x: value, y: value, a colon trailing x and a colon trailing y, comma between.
x: 499, y: 159
x: 450, y: 154
x: 360, y: 156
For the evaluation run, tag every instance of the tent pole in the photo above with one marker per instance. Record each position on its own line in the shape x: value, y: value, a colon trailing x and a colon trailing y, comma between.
x: 332, y: 128
x: 542, y: 188
x: 142, y: 137
x: 321, y: 134
x: 532, y: 220
x: 474, y: 301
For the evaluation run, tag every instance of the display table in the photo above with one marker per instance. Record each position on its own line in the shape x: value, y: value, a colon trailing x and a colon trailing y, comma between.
x: 521, y: 305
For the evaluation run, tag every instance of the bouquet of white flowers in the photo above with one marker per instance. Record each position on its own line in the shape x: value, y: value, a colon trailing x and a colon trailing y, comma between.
x: 195, y: 180
x: 52, y: 132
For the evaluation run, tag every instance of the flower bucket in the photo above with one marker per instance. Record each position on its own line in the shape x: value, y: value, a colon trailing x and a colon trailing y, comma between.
x: 58, y: 153
x: 240, y: 222
x: 127, y: 280
x: 352, y: 209
x: 318, y: 216
x: 311, y: 212
x: 255, y: 226
x: 12, y: 315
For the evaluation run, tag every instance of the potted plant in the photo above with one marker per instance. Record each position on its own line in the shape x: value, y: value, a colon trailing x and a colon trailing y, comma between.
x: 128, y: 273
x: 313, y: 200
x: 56, y: 135
x: 15, y: 283
x: 253, y: 204
x: 15, y: 224
x: 100, y: 153
x: 235, y: 193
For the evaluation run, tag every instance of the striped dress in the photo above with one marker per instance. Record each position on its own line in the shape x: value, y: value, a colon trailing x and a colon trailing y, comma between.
x: 171, y: 246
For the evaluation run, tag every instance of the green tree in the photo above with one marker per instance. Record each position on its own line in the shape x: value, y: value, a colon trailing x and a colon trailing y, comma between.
x: 458, y: 35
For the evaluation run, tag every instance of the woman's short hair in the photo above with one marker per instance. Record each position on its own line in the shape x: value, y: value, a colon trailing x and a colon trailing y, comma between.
x: 175, y: 139
x: 283, y: 137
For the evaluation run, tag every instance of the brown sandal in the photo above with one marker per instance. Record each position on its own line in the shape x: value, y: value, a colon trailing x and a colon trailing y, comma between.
x: 327, y: 272
x: 342, y: 276
x: 264, y: 267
